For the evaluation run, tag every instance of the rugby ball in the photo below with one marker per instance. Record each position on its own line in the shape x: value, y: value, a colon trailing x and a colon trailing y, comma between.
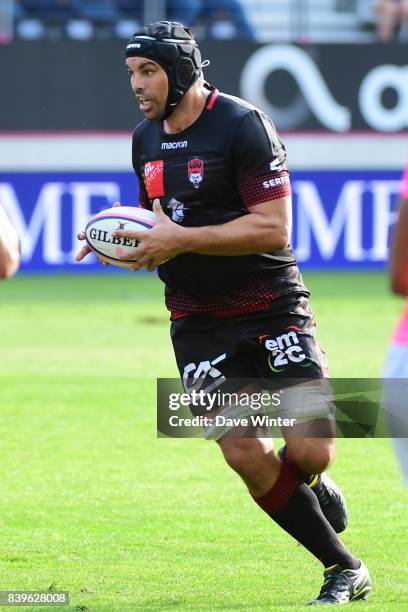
x: 108, y: 248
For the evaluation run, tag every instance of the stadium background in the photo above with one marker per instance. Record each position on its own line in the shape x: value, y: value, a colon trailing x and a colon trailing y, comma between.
x: 82, y: 345
x: 66, y: 117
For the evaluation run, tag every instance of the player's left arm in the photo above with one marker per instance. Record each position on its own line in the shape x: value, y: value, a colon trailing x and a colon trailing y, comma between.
x: 262, y: 180
x: 399, y: 251
x: 9, y: 247
x: 266, y: 228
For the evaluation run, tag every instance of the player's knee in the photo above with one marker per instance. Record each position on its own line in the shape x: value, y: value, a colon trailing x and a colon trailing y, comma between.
x: 319, y: 461
x: 313, y: 458
x: 237, y: 456
x: 243, y: 455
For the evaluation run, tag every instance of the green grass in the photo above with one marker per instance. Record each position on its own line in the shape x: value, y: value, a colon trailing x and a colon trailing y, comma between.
x: 93, y: 503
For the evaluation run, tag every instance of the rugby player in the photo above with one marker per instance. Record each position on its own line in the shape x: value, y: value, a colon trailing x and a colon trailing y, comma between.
x: 213, y: 169
x: 9, y: 247
x: 396, y: 366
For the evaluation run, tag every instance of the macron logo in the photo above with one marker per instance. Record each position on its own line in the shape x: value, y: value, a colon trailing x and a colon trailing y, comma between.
x: 182, y: 144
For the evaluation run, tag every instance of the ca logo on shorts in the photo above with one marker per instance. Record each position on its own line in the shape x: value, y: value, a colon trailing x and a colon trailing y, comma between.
x: 284, y: 349
x: 204, y: 371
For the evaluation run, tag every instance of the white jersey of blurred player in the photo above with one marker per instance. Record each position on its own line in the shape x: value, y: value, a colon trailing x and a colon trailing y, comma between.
x: 396, y: 366
x: 9, y: 247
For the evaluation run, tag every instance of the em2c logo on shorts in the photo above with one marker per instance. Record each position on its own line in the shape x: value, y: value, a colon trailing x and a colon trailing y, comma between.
x: 154, y: 178
x: 285, y: 350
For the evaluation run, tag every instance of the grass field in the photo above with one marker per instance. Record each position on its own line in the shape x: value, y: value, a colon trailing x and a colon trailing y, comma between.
x: 93, y: 503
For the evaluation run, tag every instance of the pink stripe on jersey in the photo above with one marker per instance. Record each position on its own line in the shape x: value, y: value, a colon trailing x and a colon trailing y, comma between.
x: 213, y: 99
x: 401, y: 331
x: 404, y: 186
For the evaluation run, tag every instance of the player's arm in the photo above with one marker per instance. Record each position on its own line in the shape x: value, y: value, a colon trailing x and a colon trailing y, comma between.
x: 9, y: 247
x: 266, y: 228
x: 262, y: 180
x: 399, y: 251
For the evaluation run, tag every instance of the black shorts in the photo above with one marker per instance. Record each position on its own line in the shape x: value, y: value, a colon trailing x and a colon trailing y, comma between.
x: 268, y: 346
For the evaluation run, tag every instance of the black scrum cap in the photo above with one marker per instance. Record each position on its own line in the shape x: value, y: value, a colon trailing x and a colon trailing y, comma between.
x: 171, y: 45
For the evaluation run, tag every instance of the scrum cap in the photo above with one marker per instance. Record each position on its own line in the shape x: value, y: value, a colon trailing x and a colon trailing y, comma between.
x: 171, y: 45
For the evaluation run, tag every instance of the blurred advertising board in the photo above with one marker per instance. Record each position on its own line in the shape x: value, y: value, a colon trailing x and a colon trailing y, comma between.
x: 341, y: 218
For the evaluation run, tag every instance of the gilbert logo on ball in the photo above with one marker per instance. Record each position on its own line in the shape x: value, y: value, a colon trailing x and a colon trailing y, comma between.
x: 110, y: 248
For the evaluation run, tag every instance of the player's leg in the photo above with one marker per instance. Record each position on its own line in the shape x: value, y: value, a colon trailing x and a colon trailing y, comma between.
x: 210, y: 347
x: 310, y: 450
x: 253, y: 459
x: 289, y: 502
x: 310, y: 446
x: 287, y: 353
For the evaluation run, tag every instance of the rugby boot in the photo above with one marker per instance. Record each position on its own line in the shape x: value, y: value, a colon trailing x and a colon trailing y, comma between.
x: 341, y: 586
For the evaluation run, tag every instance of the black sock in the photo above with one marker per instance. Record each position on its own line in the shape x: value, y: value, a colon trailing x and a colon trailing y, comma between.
x: 295, y: 508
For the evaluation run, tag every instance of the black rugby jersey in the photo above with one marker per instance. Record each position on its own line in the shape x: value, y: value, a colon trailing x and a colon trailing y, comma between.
x: 228, y: 160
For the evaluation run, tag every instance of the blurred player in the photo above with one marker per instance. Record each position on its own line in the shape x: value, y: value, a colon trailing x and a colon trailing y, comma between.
x: 9, y: 247
x: 213, y: 168
x: 396, y: 367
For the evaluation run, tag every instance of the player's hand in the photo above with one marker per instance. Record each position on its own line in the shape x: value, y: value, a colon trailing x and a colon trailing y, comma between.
x: 158, y: 244
x: 85, y: 250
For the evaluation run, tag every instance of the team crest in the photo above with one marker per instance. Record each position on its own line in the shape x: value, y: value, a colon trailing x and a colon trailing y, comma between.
x: 196, y: 171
